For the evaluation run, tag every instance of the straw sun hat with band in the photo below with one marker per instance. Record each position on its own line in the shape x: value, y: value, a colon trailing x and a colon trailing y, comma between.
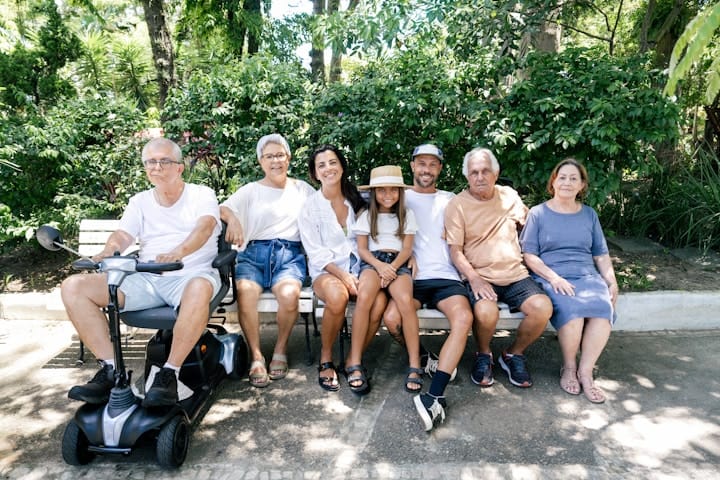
x: 385, y: 176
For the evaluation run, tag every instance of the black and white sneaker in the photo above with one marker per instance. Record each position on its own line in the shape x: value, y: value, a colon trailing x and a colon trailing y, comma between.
x: 430, y: 409
x: 97, y: 390
x: 429, y: 362
x: 164, y: 389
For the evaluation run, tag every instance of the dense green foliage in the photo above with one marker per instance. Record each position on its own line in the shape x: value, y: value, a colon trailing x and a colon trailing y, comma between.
x: 458, y: 73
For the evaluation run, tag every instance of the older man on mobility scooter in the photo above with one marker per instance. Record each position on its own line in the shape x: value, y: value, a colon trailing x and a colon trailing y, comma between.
x: 175, y: 221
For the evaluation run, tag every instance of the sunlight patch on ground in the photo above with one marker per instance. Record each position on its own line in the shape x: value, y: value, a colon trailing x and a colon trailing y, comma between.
x: 649, y: 441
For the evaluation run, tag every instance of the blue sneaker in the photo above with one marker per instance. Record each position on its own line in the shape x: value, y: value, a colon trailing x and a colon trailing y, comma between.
x: 482, y: 373
x: 516, y: 369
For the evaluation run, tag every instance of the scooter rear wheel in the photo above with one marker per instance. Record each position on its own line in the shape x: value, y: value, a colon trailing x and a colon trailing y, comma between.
x: 172, y: 442
x: 75, y: 446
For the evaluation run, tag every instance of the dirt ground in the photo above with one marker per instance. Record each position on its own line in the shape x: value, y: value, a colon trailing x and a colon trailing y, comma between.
x: 29, y: 268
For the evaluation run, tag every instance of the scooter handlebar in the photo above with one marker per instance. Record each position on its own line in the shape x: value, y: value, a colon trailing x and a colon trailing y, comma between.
x: 153, y: 267
x: 84, y: 264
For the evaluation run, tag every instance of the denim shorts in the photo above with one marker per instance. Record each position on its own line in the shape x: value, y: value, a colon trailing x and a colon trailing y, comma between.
x: 266, y: 262
x: 148, y: 290
x: 514, y: 294
x: 386, y: 257
x: 432, y: 291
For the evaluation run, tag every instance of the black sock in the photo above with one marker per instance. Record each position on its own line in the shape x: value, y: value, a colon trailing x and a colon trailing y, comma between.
x: 439, y: 382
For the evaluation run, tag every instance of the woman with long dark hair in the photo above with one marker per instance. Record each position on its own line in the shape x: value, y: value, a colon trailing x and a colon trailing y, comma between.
x: 326, y: 229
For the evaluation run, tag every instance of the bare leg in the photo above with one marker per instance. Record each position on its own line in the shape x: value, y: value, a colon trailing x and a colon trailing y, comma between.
x: 84, y: 296
x: 248, y: 295
x: 367, y: 291
x: 569, y: 336
x: 287, y: 293
x: 595, y: 337
x: 192, y: 319
x: 486, y: 316
x: 537, y: 310
x: 335, y: 296
x: 457, y: 310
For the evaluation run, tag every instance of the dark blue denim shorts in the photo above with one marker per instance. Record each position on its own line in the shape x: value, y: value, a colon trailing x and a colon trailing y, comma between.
x: 266, y: 262
x: 386, y: 257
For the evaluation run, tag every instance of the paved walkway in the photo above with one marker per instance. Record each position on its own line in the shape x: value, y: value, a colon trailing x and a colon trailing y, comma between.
x: 662, y: 419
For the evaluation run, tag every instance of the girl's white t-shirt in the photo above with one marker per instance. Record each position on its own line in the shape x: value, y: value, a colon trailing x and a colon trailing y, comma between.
x: 387, y: 238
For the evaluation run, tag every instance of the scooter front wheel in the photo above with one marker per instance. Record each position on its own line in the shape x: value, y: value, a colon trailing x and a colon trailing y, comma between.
x: 75, y: 446
x: 172, y: 442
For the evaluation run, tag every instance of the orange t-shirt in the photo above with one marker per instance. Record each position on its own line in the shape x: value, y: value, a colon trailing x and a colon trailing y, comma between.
x: 487, y: 231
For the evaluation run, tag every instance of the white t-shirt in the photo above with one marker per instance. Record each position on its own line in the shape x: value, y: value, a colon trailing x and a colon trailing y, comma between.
x: 266, y: 213
x: 324, y: 239
x: 431, y: 251
x: 160, y: 229
x: 387, y: 238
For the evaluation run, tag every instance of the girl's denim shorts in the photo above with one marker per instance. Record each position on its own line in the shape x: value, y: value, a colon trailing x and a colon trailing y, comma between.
x: 266, y: 262
x: 386, y: 257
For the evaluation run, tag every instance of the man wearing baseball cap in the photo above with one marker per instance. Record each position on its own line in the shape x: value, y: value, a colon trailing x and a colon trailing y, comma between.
x: 437, y: 283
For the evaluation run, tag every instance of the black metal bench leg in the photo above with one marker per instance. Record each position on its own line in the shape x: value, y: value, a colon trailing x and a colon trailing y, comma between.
x: 308, y: 346
x: 81, y: 355
x: 344, y: 333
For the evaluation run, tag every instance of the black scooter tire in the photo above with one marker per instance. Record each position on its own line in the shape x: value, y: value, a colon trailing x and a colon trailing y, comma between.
x: 75, y: 446
x: 172, y: 442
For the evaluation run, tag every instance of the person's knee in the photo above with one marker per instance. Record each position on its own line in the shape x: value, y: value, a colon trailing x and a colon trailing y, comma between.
x: 336, y: 299
x: 287, y: 295
x: 198, y: 291
x: 538, y: 307
x: 461, y: 320
x: 485, y: 313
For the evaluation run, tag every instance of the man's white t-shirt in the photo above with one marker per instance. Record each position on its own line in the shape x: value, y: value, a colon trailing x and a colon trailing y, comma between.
x: 160, y: 229
x: 431, y: 252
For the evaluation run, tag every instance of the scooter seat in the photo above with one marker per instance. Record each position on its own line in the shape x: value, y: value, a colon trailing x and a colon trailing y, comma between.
x: 163, y: 318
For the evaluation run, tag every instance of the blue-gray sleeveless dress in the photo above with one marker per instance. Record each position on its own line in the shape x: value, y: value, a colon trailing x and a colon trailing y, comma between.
x: 567, y: 243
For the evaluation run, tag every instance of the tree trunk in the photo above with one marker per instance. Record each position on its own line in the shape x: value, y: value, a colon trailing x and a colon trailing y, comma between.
x: 252, y: 10
x: 336, y: 58
x: 162, y: 47
x: 317, y: 51
x: 547, y: 38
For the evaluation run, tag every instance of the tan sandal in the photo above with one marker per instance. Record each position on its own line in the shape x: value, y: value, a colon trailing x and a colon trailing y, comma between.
x: 278, y: 366
x: 259, y: 378
x: 592, y: 393
x: 570, y: 385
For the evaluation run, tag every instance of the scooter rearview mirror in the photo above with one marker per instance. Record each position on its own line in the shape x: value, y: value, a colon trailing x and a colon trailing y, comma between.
x: 49, y: 237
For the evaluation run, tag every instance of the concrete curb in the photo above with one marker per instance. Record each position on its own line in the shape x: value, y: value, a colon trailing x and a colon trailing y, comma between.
x: 646, y: 311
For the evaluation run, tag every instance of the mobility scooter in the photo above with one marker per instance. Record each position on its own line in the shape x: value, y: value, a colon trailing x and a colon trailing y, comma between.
x: 116, y: 427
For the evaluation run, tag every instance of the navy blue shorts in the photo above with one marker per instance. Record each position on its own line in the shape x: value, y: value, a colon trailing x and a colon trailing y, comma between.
x: 432, y: 291
x: 386, y: 257
x: 266, y: 262
x: 514, y: 294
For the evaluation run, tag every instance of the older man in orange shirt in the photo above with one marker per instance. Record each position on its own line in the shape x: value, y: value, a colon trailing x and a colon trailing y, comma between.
x: 481, y: 228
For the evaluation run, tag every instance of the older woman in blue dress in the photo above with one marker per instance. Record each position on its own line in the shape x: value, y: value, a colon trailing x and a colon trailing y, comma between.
x: 564, y: 247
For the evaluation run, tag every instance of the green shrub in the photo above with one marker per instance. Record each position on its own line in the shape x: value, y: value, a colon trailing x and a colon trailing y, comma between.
x: 220, y: 115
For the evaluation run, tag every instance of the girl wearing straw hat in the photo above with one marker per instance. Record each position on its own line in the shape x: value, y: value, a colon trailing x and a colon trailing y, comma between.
x: 385, y: 234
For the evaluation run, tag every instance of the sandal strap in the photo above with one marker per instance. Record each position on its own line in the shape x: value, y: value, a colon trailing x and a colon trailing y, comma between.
x: 326, y: 366
x: 354, y: 368
x: 417, y: 371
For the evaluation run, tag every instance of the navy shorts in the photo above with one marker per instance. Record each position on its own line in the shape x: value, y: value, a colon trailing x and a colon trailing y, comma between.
x: 513, y: 294
x: 432, y: 291
x: 386, y: 257
x: 266, y: 262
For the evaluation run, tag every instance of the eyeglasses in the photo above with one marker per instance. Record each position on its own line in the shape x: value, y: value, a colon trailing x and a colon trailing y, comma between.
x: 274, y: 156
x: 163, y: 162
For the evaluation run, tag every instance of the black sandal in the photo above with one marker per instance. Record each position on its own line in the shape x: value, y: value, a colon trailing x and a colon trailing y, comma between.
x: 331, y: 383
x: 364, y: 386
x: 416, y: 381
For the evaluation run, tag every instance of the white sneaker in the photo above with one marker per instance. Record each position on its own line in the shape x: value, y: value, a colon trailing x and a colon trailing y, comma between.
x: 430, y: 364
x: 430, y: 409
